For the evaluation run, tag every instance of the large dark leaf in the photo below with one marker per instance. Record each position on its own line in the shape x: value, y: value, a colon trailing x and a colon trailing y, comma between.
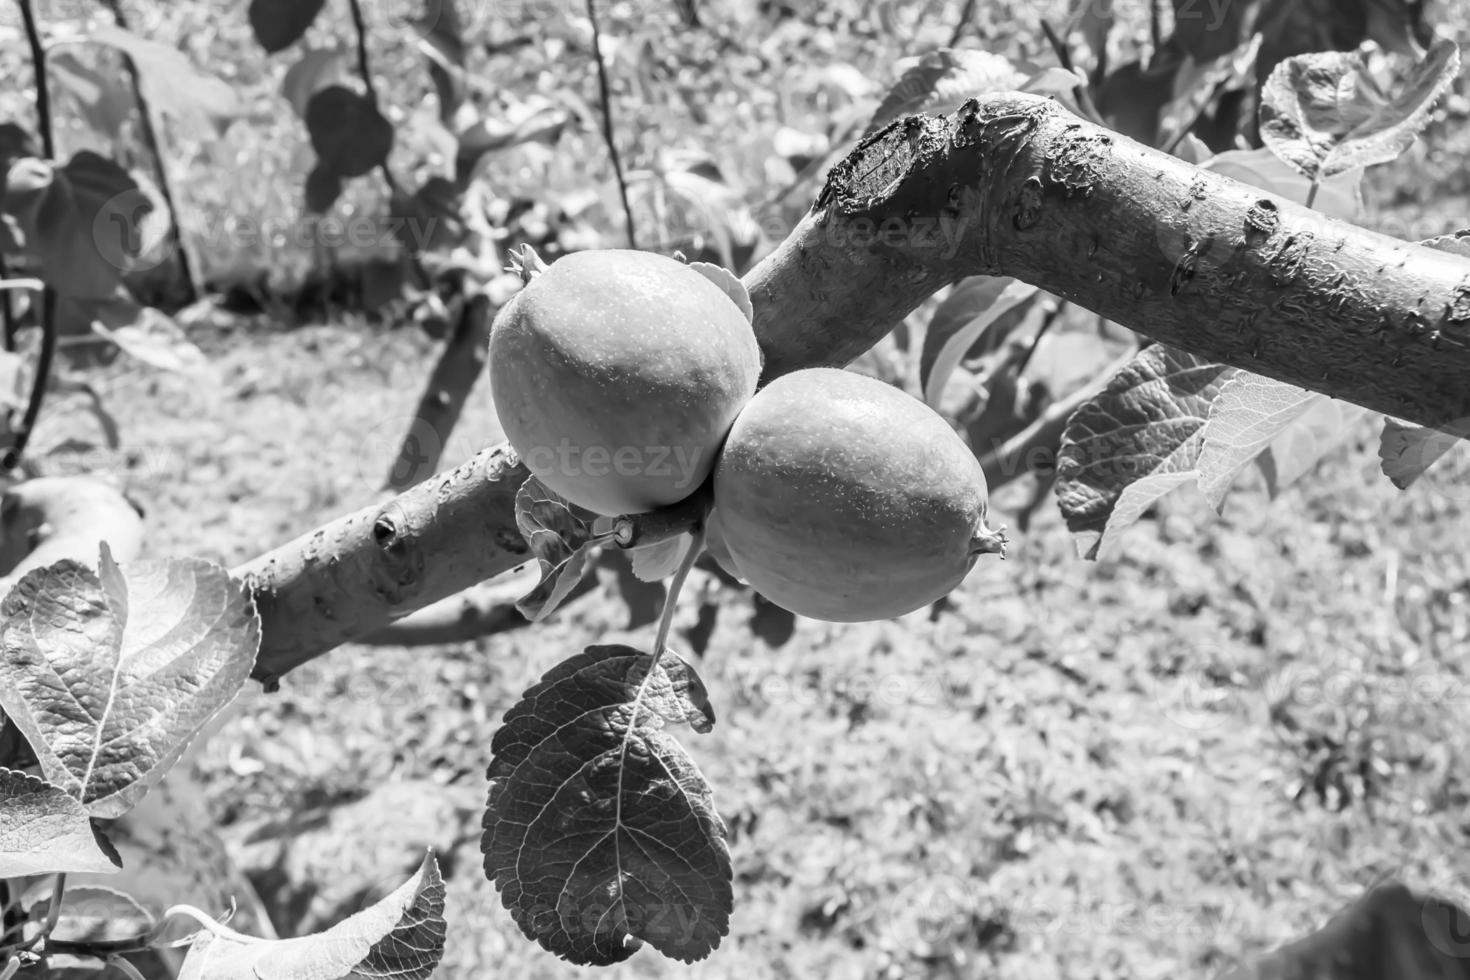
x: 278, y: 24
x: 349, y: 134
x: 1388, y: 934
x: 600, y: 832
x: 80, y: 221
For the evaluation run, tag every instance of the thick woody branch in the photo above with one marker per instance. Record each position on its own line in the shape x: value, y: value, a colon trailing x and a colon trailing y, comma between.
x: 1017, y: 185
x: 1013, y: 185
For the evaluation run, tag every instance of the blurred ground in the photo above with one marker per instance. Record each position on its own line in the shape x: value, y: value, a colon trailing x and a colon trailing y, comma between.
x: 1136, y: 768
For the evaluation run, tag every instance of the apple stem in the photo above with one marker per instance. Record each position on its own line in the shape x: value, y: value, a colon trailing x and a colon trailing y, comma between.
x: 676, y: 585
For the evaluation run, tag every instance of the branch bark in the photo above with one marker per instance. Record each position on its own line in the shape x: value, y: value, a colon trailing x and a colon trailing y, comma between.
x: 1016, y: 185
x: 1012, y: 184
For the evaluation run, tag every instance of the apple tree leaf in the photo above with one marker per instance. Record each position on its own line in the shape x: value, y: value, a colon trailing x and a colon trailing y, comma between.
x: 561, y: 536
x: 316, y: 69
x: 97, y: 919
x: 1254, y: 415
x: 401, y: 936
x: 350, y: 136
x: 1339, y: 196
x: 45, y: 831
x: 1135, y: 441
x: 730, y: 283
x: 278, y: 24
x: 169, y: 80
x: 1325, y: 113
x: 654, y: 562
x: 1388, y: 932
x: 81, y: 221
x: 972, y: 309
x: 1406, y: 452
x: 600, y: 833
x: 110, y: 673
x: 941, y: 80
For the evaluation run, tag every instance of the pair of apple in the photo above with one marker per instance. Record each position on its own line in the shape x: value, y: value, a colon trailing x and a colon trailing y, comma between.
x: 625, y: 379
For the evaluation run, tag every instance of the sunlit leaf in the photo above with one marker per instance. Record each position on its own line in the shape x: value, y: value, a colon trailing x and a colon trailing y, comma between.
x: 1325, y: 114
x: 654, y: 562
x: 170, y: 82
x: 400, y: 937
x: 1254, y: 415
x: 561, y: 536
x: 728, y: 282
x: 942, y: 80
x: 600, y: 833
x: 1135, y: 441
x: 45, y: 831
x: 109, y: 674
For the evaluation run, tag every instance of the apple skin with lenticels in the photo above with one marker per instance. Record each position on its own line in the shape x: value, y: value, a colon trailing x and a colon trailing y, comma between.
x: 616, y: 375
x: 842, y: 498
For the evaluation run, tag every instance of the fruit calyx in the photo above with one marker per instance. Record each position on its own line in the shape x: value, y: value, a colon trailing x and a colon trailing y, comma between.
x: 988, y: 542
x: 526, y: 263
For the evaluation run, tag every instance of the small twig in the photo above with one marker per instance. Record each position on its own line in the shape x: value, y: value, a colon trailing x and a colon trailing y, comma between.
x: 7, y: 312
x: 676, y: 585
x: 38, y: 387
x: 364, y: 69
x: 967, y: 13
x: 11, y: 968
x: 1064, y: 56
x: 48, y: 297
x: 607, y: 121
x: 43, y: 90
x: 150, y: 140
x: 1051, y: 317
x: 1079, y: 91
x: 1156, y: 26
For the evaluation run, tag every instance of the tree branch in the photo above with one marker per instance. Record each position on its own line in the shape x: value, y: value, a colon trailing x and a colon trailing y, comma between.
x: 1015, y: 185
